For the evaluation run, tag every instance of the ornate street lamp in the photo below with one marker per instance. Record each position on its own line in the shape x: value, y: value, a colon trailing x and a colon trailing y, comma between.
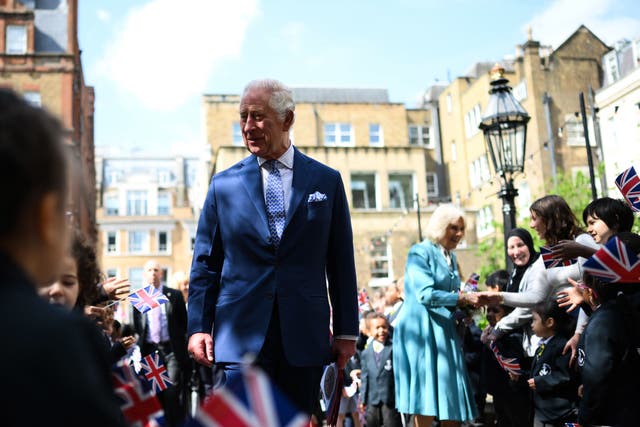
x: 504, y: 125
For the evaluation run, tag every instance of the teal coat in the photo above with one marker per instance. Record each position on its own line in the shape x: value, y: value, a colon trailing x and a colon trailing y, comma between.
x: 429, y: 367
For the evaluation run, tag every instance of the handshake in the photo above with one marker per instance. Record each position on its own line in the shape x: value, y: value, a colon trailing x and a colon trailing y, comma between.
x: 479, y: 299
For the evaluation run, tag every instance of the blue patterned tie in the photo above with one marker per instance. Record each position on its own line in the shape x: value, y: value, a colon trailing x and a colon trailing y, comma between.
x: 275, y: 202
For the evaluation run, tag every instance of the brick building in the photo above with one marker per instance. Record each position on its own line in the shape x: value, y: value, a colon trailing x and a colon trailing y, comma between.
x: 547, y: 83
x: 40, y: 58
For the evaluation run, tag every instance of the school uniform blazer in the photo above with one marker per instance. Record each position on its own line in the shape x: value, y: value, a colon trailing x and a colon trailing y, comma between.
x: 176, y: 323
x: 377, y: 380
x: 238, y: 276
x: 556, y: 389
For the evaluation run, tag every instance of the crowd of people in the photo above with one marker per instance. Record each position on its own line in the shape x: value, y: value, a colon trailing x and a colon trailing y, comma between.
x: 273, y: 267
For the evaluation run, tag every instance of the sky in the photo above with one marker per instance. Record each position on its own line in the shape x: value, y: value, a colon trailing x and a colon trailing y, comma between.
x: 151, y: 61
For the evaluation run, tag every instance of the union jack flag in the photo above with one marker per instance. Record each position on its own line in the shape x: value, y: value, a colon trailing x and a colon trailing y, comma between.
x: 571, y: 425
x: 508, y: 364
x: 614, y: 262
x: 471, y: 285
x: 248, y: 400
x: 551, y: 262
x: 155, y: 372
x: 628, y: 183
x: 147, y: 298
x: 139, y: 406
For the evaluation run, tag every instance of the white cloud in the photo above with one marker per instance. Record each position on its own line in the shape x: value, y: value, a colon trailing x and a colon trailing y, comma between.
x: 555, y: 24
x: 164, y: 55
x: 103, y: 15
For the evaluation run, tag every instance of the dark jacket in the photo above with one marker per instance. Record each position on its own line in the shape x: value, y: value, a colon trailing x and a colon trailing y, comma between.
x: 609, y: 368
x: 377, y: 378
x: 495, y: 379
x: 556, y: 390
x: 55, y: 370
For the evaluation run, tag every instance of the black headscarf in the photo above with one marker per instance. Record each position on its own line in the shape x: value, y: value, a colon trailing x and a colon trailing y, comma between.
x: 518, y: 271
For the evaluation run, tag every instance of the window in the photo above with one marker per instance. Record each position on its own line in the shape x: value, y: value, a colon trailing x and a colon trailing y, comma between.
x: 136, y: 277
x: 112, y: 242
x: 236, y: 134
x: 137, y: 202
x: 449, y: 103
x: 611, y: 66
x: 400, y: 190
x: 138, y: 242
x: 419, y: 135
x: 112, y: 272
x: 165, y: 177
x: 472, y: 120
x: 112, y: 176
x: 339, y: 134
x: 111, y: 204
x: 432, y: 184
x: 33, y: 98
x: 375, y: 135
x: 520, y: 91
x: 16, y: 39
x: 479, y: 171
x: 380, y: 258
x: 164, y: 203
x: 363, y: 191
x: 163, y: 242
x: 573, y: 130
x: 484, y: 221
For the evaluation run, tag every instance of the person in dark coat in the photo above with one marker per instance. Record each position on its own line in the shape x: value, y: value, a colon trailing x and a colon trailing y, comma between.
x: 54, y: 373
x: 553, y: 383
x: 377, y: 389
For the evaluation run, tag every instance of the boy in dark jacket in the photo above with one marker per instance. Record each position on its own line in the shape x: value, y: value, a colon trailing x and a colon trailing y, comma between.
x: 377, y: 389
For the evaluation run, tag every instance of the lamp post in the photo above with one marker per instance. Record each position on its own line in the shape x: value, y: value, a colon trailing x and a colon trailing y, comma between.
x: 504, y: 125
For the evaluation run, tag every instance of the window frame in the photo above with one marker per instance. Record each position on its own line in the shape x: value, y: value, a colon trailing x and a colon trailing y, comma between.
x: 144, y: 244
x: 356, y: 183
x: 338, y: 133
x: 24, y: 43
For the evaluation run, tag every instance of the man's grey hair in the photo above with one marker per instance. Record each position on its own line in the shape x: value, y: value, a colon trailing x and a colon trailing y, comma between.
x: 440, y: 219
x: 281, y: 97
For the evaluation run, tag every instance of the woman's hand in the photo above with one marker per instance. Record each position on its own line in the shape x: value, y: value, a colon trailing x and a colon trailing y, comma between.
x: 489, y: 298
x: 571, y: 297
x: 569, y: 249
x: 468, y: 298
x: 572, y: 345
x: 128, y: 342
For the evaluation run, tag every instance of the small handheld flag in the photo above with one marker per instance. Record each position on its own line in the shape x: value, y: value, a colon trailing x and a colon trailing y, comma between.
x: 363, y: 300
x: 471, y: 285
x: 614, y: 262
x: 155, y: 372
x: 508, y: 364
x: 550, y: 261
x: 628, y: 183
x: 147, y: 298
x: 139, y: 406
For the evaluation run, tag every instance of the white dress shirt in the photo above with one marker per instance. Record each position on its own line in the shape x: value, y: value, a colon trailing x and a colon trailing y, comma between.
x: 285, y: 167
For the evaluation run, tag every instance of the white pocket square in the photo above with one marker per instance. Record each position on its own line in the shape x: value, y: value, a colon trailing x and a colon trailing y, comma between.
x: 316, y: 197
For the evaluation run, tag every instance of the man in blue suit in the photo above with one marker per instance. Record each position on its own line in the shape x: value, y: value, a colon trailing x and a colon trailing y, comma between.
x: 274, y: 245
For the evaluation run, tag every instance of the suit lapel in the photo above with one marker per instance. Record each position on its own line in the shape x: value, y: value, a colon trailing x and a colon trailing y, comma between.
x: 251, y: 180
x: 302, y: 178
x: 384, y: 355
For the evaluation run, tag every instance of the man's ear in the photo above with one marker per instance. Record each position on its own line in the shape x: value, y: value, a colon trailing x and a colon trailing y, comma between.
x: 550, y: 323
x: 288, y: 121
x: 48, y: 219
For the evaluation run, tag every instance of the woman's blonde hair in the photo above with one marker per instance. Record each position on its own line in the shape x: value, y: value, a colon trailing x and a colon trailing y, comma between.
x: 440, y: 220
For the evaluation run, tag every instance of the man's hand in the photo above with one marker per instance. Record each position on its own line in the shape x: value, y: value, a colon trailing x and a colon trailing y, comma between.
x: 342, y: 349
x: 201, y: 348
x: 116, y: 288
x: 532, y: 383
x: 128, y: 342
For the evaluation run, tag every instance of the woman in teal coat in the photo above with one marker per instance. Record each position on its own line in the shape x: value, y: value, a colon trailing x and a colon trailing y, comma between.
x: 429, y: 368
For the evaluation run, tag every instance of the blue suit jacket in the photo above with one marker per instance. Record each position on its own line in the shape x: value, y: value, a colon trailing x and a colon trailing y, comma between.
x: 237, y: 274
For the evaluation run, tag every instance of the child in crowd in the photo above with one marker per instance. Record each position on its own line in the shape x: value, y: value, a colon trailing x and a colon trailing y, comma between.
x: 511, y: 396
x: 377, y: 389
x: 608, y: 360
x: 553, y: 384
